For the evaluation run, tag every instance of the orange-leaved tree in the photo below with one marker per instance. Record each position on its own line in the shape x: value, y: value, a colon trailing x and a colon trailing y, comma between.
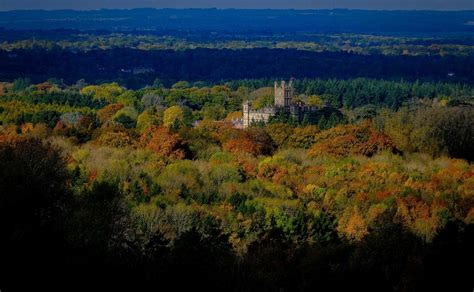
x: 106, y: 113
x: 163, y: 142
x: 254, y: 141
x: 345, y: 140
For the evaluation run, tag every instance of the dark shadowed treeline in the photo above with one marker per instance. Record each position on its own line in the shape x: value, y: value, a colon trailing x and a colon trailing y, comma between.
x: 137, y: 68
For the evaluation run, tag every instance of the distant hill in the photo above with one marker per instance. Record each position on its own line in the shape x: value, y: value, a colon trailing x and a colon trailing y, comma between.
x: 399, y: 23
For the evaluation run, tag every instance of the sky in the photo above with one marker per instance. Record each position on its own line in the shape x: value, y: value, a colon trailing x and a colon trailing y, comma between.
x: 276, y: 4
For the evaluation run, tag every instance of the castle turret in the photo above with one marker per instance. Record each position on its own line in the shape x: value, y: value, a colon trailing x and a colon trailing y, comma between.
x: 284, y: 94
x: 246, y: 114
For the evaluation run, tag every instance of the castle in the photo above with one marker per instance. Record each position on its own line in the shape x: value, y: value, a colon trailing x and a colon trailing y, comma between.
x: 284, y: 103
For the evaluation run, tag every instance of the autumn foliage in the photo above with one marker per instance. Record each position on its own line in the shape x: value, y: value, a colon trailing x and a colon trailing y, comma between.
x: 252, y: 141
x: 108, y: 112
x: 345, y: 140
x: 149, y: 180
x: 164, y: 143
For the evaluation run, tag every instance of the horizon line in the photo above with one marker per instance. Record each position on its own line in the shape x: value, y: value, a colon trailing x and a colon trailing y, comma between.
x: 240, y: 8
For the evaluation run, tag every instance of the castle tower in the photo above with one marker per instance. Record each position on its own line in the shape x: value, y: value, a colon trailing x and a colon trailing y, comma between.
x: 284, y: 94
x: 246, y: 114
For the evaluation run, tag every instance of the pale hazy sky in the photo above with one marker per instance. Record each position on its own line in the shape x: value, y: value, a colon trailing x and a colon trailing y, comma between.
x: 297, y: 4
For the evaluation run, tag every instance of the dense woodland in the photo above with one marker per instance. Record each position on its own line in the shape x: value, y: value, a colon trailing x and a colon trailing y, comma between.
x: 138, y: 68
x: 374, y: 191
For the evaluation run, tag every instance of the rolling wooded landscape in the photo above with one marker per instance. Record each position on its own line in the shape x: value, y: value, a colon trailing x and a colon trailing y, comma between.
x: 124, y: 158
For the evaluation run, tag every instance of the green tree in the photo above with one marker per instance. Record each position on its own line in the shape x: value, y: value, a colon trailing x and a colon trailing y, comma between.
x: 21, y: 84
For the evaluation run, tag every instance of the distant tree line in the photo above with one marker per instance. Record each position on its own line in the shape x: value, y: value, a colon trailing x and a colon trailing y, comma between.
x: 137, y: 68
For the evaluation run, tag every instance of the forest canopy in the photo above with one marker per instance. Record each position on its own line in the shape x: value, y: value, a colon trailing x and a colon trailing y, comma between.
x: 159, y: 180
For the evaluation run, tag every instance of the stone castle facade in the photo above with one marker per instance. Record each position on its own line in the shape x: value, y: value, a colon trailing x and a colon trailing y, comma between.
x: 283, y: 103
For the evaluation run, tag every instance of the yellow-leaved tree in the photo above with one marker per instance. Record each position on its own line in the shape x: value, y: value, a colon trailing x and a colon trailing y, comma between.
x: 315, y: 100
x: 173, y: 116
x: 108, y: 91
